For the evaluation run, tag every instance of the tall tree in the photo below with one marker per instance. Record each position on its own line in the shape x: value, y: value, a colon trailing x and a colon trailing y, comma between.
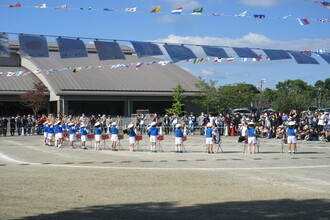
x: 322, y: 91
x: 35, y: 99
x: 208, y: 95
x: 178, y: 101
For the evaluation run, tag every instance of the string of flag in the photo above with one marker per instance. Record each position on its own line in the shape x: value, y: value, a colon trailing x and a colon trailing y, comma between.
x: 179, y: 11
x: 74, y: 47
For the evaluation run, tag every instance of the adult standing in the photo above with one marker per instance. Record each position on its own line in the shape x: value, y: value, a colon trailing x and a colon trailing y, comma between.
x: 12, y: 125
x: 192, y: 123
x: 166, y: 122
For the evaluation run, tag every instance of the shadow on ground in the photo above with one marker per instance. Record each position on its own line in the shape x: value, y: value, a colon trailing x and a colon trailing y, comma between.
x: 275, y: 209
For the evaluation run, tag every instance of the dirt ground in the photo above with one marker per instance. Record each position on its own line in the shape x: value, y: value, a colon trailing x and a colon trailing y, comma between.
x: 39, y: 182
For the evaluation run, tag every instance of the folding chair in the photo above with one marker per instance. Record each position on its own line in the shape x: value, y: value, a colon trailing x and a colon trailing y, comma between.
x: 219, y: 148
x: 91, y: 137
x: 120, y: 137
x: 104, y: 138
x: 184, y: 138
x: 283, y: 142
x: 138, y: 139
x: 158, y: 145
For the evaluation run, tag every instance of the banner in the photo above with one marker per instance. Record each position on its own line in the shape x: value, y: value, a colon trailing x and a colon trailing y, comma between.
x: 302, y: 58
x: 215, y: 52
x: 178, y: 53
x: 245, y: 52
x: 70, y: 48
x: 4, y: 45
x: 277, y: 54
x: 108, y: 50
x: 33, y: 46
x: 145, y: 49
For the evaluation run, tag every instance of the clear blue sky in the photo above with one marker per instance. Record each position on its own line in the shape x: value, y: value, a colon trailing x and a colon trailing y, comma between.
x: 206, y: 29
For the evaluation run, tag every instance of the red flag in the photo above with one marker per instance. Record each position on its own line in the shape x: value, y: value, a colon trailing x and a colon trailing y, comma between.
x: 14, y: 6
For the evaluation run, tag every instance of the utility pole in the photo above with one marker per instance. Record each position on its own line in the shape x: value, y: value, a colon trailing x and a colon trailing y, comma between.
x: 262, y: 81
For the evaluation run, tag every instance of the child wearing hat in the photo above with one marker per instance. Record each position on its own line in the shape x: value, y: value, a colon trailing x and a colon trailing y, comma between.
x: 98, y: 134
x: 153, y: 136
x: 50, y: 133
x: 58, y: 134
x: 114, y: 135
x: 178, y: 138
x: 252, y: 137
x: 131, y: 133
x: 83, y: 134
x: 291, y: 132
x: 72, y: 134
x: 209, y: 134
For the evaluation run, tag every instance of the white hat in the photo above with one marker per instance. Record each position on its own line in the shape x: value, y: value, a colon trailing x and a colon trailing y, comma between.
x: 83, y: 125
x: 71, y: 124
x: 130, y: 126
x: 209, y: 125
x: 292, y: 123
x: 153, y: 123
x: 178, y: 125
x: 251, y: 123
x: 97, y: 124
x: 57, y: 122
x: 46, y: 123
x: 114, y: 123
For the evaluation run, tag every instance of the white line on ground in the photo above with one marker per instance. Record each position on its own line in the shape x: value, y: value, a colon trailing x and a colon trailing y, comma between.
x: 158, y: 168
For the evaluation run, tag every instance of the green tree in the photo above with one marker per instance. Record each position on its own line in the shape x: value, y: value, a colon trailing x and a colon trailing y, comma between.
x: 322, y: 92
x: 208, y: 95
x: 265, y: 98
x: 178, y: 101
x: 288, y: 100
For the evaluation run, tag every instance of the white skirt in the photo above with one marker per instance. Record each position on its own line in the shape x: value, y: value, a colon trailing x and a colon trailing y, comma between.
x: 98, y: 137
x: 252, y: 140
x: 83, y: 138
x: 132, y: 140
x: 50, y: 136
x: 153, y: 139
x: 72, y: 137
x: 178, y: 140
x: 292, y: 139
x: 114, y: 137
x: 209, y: 141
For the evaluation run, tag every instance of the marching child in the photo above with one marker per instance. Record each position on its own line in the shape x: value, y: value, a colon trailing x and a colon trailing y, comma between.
x: 98, y: 134
x: 45, y: 127
x: 153, y: 136
x: 59, y: 134
x: 209, y: 134
x: 114, y: 135
x: 131, y: 133
x: 291, y: 132
x: 178, y: 139
x: 83, y: 134
x: 72, y: 134
x: 252, y: 137
x: 50, y: 133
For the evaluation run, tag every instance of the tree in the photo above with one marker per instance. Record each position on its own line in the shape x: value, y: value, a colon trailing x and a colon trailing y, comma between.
x: 288, y: 100
x: 178, y: 101
x: 208, y: 95
x: 322, y: 91
x: 35, y: 99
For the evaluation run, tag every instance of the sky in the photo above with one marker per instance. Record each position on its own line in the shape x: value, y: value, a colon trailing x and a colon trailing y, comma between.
x: 274, y: 32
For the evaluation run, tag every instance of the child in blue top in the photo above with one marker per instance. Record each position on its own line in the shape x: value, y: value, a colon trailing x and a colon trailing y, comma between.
x: 252, y: 138
x: 83, y: 134
x: 131, y: 133
x: 153, y: 130
x: 114, y: 134
x: 209, y: 134
x: 178, y: 138
x: 59, y: 134
x: 72, y: 134
x: 50, y: 133
x: 97, y: 133
x: 291, y: 137
x: 45, y: 127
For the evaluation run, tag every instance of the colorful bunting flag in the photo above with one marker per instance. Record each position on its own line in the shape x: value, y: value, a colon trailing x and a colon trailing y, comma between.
x: 130, y: 9
x: 156, y: 10
x: 10, y: 73
x: 62, y: 7
x: 19, y: 73
x: 196, y: 60
x: 214, y: 14
x: 243, y: 14
x: 15, y: 6
x: 243, y: 59
x: 138, y: 65
x: 287, y: 16
x: 324, y: 20
x: 303, y: 21
x: 1, y: 73
x: 217, y: 60
x: 41, y: 6
x: 307, y: 52
x: 108, y: 9
x: 177, y: 11
x: 231, y: 58
x: 77, y: 69
x: 258, y: 17
x: 257, y: 59
x: 164, y: 63
x: 197, y: 11
x: 321, y: 51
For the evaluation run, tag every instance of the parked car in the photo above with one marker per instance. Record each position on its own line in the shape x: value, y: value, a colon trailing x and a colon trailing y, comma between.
x: 242, y: 111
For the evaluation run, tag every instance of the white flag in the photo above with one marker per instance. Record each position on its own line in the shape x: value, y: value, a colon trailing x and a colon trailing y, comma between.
x: 130, y: 9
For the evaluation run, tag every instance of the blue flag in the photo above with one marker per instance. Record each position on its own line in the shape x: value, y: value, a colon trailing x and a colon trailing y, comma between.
x: 71, y: 48
x: 33, y: 46
x: 4, y: 46
x: 108, y: 50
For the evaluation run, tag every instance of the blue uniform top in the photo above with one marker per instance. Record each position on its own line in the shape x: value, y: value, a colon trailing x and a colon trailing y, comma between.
x: 114, y: 130
x: 153, y: 131
x: 71, y: 130
x: 208, y: 132
x: 251, y: 132
x: 58, y: 129
x: 131, y: 132
x: 50, y: 130
x: 178, y: 133
x: 46, y: 128
x: 290, y: 131
x: 83, y: 131
x: 97, y: 130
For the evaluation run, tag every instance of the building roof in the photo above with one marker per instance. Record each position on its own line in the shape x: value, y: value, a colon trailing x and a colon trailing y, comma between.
x: 126, y: 80
x: 15, y: 85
